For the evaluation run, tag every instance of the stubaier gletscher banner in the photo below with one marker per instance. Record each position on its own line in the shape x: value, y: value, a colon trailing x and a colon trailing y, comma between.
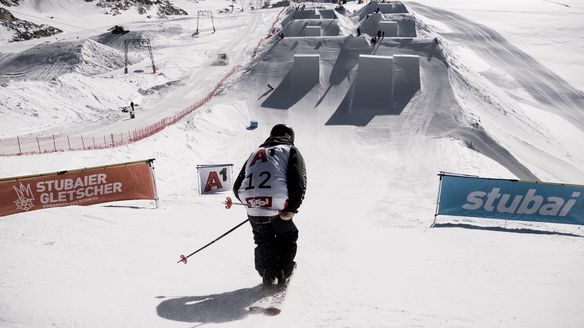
x: 510, y: 199
x: 125, y: 181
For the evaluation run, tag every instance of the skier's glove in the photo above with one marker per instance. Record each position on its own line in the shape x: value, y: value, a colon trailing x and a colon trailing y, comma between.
x: 286, y: 215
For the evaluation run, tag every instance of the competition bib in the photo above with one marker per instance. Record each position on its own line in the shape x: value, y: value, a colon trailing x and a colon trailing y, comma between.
x: 264, y: 188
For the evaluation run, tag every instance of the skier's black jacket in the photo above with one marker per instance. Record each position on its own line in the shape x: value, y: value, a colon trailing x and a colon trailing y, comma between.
x: 295, y: 174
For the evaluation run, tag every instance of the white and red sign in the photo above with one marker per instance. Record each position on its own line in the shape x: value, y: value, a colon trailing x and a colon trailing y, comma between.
x: 215, y: 178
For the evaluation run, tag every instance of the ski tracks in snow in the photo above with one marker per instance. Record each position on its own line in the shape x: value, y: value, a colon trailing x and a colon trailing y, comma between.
x: 544, y: 86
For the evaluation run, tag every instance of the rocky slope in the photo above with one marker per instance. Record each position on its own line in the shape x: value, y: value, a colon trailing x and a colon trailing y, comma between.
x: 20, y: 29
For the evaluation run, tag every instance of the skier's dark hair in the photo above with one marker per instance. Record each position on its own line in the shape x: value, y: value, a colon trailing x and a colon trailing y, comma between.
x: 282, y: 130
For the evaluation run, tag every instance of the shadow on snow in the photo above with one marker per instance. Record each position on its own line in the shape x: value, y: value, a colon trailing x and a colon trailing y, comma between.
x: 504, y: 229
x: 214, y: 308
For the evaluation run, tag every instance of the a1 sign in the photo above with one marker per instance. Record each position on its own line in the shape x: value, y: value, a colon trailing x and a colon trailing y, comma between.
x: 215, y: 178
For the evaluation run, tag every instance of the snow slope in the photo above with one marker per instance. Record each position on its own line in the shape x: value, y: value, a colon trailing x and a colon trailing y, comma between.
x: 367, y: 257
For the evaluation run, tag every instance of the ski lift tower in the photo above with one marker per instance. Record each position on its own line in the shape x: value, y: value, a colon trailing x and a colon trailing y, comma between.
x: 204, y: 13
x: 138, y: 43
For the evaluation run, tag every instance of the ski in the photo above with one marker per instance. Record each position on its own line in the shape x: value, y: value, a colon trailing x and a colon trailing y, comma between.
x: 269, y: 311
x: 271, y: 305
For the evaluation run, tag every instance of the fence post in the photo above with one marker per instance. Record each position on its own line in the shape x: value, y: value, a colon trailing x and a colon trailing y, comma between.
x: 113, y: 141
x: 94, y: 146
x: 54, y: 143
x: 38, y: 144
x: 19, y: 149
x: 82, y: 142
x: 69, y: 142
x: 104, y: 142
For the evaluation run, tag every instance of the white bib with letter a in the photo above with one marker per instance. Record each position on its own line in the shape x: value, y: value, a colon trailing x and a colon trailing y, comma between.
x: 264, y: 188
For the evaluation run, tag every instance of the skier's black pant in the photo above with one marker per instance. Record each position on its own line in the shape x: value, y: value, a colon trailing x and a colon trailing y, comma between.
x: 276, y: 245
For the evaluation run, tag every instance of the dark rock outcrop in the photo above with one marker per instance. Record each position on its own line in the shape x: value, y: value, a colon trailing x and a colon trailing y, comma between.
x: 25, y: 30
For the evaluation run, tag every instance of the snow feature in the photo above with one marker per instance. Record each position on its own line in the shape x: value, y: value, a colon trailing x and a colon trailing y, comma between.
x: 370, y: 198
x: 391, y: 7
x: 405, y: 28
x: 86, y: 57
x: 301, y: 27
x: 373, y: 89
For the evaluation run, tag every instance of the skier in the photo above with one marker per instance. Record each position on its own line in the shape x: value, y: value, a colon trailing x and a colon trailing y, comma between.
x: 273, y: 182
x: 132, y: 115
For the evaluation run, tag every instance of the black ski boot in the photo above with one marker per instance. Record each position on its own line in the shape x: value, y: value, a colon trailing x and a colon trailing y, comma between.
x: 268, y: 278
x: 285, y: 274
x: 282, y: 279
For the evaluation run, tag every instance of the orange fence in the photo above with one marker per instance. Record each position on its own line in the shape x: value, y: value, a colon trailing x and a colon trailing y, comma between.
x: 56, y: 143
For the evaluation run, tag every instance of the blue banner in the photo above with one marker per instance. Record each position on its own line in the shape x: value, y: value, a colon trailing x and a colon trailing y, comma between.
x: 511, y: 199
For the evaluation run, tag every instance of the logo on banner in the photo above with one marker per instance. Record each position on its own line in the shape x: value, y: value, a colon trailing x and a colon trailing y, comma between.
x: 511, y: 199
x: 530, y: 203
x: 125, y: 181
x: 25, y: 197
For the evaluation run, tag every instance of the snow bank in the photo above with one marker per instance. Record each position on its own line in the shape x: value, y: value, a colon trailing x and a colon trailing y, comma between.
x: 86, y: 57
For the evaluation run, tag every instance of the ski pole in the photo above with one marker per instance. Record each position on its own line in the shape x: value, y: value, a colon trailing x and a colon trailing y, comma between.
x: 184, y: 258
x: 228, y: 203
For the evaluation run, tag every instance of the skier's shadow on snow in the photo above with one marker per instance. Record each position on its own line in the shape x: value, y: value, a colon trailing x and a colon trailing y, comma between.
x: 215, y: 308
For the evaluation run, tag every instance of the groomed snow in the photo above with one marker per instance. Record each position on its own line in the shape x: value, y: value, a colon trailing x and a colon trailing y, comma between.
x: 367, y: 257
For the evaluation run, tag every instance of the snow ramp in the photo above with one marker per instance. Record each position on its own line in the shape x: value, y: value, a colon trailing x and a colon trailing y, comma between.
x: 350, y: 93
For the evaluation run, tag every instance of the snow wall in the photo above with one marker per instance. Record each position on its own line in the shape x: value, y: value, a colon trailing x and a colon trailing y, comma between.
x: 383, y: 80
x: 389, y: 27
x: 305, y: 70
x: 329, y: 27
x: 327, y: 13
x: 305, y: 14
x: 312, y: 31
x: 373, y: 84
x: 406, y: 26
x: 407, y: 67
x: 392, y: 7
